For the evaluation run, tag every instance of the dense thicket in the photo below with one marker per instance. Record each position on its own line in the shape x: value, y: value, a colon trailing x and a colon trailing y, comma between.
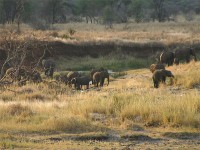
x: 46, y: 12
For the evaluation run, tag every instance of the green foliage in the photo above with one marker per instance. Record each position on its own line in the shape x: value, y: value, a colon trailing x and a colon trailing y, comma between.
x: 114, y: 63
x: 137, y: 9
x: 108, y: 15
x: 56, y: 11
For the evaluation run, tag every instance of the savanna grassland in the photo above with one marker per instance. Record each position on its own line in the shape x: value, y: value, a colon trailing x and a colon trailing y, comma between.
x: 127, y: 114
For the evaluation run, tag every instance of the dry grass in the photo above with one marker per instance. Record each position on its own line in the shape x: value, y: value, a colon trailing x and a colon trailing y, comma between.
x: 132, y: 98
x: 167, y: 33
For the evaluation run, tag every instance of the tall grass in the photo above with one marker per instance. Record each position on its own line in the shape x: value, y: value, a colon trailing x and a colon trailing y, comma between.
x: 155, y: 108
x: 188, y: 75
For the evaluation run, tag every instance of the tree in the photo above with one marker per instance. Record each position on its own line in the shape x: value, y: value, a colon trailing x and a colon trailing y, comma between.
x: 158, y: 6
x: 90, y: 9
x: 19, y: 13
x: 53, y: 10
x: 136, y: 9
x: 9, y: 10
x: 108, y: 16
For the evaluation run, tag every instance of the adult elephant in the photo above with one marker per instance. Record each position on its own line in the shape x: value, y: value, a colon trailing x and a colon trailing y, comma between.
x: 99, y: 77
x: 49, y: 66
x: 93, y: 71
x: 167, y: 58
x: 184, y: 54
x: 35, y: 77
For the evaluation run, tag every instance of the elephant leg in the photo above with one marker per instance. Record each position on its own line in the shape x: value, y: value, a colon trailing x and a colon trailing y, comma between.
x: 101, y: 83
x: 69, y: 84
x: 78, y: 87
x: 170, y: 63
x: 187, y: 59
x: 163, y: 79
x: 155, y: 84
x: 176, y: 61
x: 46, y: 71
x: 97, y: 83
x: 50, y: 73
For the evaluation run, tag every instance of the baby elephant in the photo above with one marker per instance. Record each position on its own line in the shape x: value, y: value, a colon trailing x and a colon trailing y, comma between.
x: 80, y: 81
x: 160, y: 76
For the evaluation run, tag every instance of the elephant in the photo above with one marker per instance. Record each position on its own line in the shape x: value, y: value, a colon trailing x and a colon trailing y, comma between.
x: 80, y: 81
x: 62, y: 78
x: 184, y: 54
x: 49, y: 66
x: 70, y: 76
x: 23, y: 74
x: 167, y: 58
x: 35, y: 77
x: 160, y: 76
x: 99, y: 77
x: 154, y: 67
x: 16, y: 74
x: 94, y: 71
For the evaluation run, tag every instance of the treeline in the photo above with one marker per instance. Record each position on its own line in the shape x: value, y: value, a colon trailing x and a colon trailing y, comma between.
x: 45, y: 12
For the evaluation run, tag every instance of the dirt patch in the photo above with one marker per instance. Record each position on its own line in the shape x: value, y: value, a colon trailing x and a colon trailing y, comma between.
x: 92, y: 137
x: 182, y: 135
x: 138, y: 137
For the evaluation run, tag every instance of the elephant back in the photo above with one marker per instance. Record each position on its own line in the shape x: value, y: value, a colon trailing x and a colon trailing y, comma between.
x: 96, y: 70
x: 166, y: 57
x: 84, y: 80
x: 97, y: 75
x: 158, y: 74
x: 182, y: 53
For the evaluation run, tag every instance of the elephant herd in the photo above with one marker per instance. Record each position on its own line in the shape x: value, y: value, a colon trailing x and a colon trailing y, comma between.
x: 23, y: 74
x: 169, y: 58
x: 96, y: 77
